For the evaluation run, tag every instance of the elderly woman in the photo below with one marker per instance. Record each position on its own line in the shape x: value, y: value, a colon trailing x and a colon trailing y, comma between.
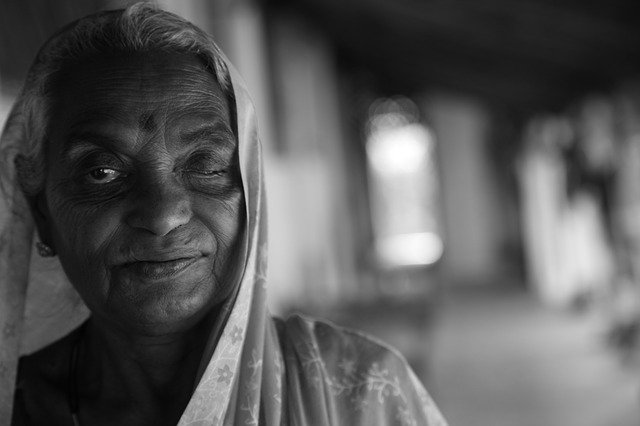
x: 134, y: 146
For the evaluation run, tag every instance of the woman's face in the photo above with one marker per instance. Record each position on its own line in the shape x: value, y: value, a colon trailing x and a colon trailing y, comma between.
x: 143, y: 200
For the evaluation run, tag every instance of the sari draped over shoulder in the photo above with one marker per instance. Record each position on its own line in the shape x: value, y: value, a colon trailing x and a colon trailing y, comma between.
x: 256, y: 370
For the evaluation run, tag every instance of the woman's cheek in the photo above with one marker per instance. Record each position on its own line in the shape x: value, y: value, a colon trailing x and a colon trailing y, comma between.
x: 82, y: 231
x: 223, y: 217
x: 226, y: 226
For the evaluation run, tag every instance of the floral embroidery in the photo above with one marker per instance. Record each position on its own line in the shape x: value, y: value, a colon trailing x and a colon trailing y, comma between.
x: 236, y: 334
x: 348, y: 366
x: 359, y: 385
x: 405, y: 417
x: 251, y: 406
x: 225, y: 374
x: 278, y: 370
x: 360, y: 404
x: 255, y: 365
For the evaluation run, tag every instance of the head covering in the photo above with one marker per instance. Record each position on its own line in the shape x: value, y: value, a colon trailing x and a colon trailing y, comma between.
x: 254, y: 370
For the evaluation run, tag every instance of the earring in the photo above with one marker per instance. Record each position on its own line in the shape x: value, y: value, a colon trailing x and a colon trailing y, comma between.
x: 44, y: 250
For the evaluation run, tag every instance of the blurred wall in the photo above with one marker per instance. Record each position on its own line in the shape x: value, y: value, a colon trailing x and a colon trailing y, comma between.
x: 472, y: 215
x: 312, y: 253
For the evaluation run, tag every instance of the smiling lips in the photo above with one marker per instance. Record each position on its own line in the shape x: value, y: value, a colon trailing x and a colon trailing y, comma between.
x: 158, y: 270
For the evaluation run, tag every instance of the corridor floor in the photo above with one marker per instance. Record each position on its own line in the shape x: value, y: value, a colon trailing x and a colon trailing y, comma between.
x: 501, y: 359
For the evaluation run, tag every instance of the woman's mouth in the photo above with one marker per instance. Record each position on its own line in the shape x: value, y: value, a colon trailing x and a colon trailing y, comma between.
x: 158, y: 270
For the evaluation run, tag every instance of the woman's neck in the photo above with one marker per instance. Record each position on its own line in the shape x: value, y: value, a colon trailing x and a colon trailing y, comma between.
x: 144, y: 369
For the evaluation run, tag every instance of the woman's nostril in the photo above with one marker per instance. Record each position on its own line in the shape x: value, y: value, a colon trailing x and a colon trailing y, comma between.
x: 160, y: 212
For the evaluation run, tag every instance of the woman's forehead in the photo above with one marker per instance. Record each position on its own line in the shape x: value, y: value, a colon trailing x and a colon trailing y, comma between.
x: 146, y: 90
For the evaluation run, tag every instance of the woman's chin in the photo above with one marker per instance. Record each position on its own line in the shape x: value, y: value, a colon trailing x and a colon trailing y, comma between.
x: 156, y: 316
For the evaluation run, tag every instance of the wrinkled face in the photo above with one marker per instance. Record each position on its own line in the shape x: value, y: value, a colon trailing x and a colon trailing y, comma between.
x: 143, y: 200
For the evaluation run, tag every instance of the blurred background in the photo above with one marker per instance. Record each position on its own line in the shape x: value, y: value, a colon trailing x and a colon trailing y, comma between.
x: 460, y: 179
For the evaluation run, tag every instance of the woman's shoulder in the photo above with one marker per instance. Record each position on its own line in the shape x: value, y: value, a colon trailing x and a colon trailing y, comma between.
x: 334, y: 342
x: 369, y: 379
x: 49, y: 363
x: 41, y: 383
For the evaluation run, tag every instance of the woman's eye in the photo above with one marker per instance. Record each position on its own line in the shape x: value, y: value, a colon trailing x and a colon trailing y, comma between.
x: 205, y: 172
x: 103, y: 175
x: 209, y: 172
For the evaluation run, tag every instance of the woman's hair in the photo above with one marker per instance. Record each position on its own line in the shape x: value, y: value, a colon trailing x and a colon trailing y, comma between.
x: 139, y: 28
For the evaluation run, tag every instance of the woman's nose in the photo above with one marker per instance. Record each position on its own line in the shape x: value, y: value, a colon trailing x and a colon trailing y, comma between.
x: 160, y: 208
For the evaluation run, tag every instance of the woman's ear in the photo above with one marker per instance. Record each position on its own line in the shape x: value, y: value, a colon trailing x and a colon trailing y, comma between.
x: 40, y: 213
x: 28, y: 170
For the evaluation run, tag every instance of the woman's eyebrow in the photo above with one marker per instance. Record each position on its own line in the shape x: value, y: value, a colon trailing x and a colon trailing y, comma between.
x: 217, y: 132
x: 79, y: 143
x: 82, y: 141
x: 83, y: 134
